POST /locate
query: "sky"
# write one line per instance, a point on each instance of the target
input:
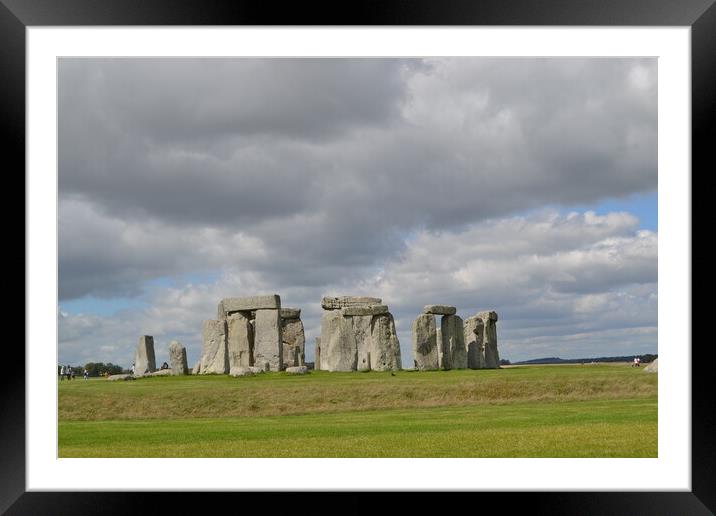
(527, 186)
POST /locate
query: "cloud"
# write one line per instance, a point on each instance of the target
(573, 285)
(314, 170)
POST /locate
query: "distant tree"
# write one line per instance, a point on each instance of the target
(100, 368)
(504, 362)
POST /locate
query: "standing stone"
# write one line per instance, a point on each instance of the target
(425, 343)
(197, 367)
(442, 354)
(268, 345)
(214, 357)
(294, 340)
(144, 361)
(240, 340)
(317, 358)
(385, 355)
(492, 356)
(177, 358)
(338, 343)
(364, 343)
(454, 342)
(474, 337)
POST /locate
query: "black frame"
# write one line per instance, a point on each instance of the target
(700, 15)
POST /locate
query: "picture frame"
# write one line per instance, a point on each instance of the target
(16, 16)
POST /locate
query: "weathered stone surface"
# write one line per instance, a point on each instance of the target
(177, 358)
(160, 372)
(297, 370)
(336, 303)
(338, 343)
(248, 304)
(239, 340)
(385, 353)
(214, 357)
(492, 356)
(439, 310)
(474, 342)
(317, 353)
(197, 367)
(290, 313)
(653, 367)
(294, 341)
(488, 314)
(364, 310)
(364, 343)
(425, 343)
(268, 344)
(453, 337)
(120, 377)
(144, 361)
(442, 355)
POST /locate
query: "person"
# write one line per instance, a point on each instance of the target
(635, 364)
(132, 367)
(68, 372)
(165, 366)
(85, 374)
(62, 372)
(638, 361)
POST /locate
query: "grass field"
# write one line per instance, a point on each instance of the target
(606, 410)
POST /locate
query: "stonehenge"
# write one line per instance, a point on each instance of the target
(256, 334)
(454, 344)
(357, 334)
(252, 332)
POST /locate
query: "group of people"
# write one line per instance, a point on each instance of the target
(637, 362)
(69, 373)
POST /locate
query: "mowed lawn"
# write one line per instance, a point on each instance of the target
(605, 410)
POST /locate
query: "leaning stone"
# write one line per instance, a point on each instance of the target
(439, 310)
(336, 303)
(177, 358)
(197, 368)
(268, 344)
(338, 343)
(294, 341)
(425, 343)
(364, 343)
(474, 342)
(120, 377)
(451, 328)
(144, 361)
(248, 304)
(365, 310)
(297, 370)
(290, 313)
(214, 358)
(385, 353)
(239, 340)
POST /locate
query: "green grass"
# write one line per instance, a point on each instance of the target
(531, 411)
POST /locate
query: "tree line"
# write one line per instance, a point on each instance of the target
(95, 369)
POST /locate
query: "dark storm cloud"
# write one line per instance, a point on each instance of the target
(311, 171)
